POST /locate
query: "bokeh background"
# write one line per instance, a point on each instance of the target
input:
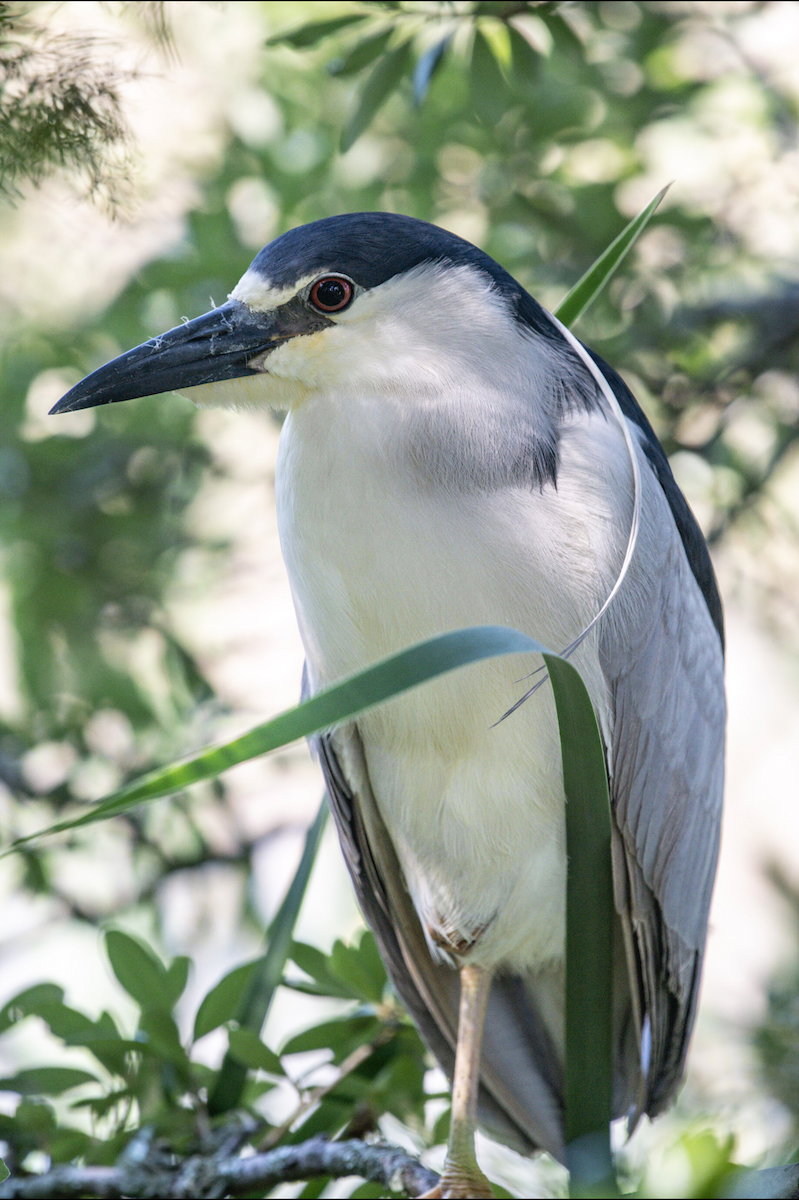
(144, 610)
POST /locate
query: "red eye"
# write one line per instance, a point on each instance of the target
(331, 293)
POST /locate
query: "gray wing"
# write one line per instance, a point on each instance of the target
(661, 653)
(662, 657)
(520, 1099)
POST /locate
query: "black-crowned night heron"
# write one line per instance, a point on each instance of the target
(453, 457)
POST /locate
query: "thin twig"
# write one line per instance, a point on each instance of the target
(200, 1177)
(349, 1064)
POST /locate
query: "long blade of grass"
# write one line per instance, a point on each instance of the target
(330, 707)
(589, 936)
(257, 1001)
(588, 287)
(589, 898)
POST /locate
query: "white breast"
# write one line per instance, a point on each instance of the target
(379, 559)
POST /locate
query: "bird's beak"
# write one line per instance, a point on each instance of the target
(221, 344)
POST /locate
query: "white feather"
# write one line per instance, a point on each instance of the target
(378, 559)
(395, 525)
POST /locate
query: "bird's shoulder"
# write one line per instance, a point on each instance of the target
(693, 541)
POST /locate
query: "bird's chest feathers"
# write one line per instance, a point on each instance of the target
(379, 557)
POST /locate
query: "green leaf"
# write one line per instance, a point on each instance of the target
(254, 1089)
(29, 1003)
(176, 977)
(261, 988)
(4, 1171)
(314, 989)
(314, 31)
(35, 1119)
(247, 1048)
(340, 1036)
(328, 1119)
(224, 1000)
(371, 1191)
(353, 1087)
(46, 1081)
(347, 963)
(389, 677)
(163, 1040)
(588, 287)
(113, 1053)
(372, 963)
(100, 1037)
(362, 54)
(68, 1144)
(384, 80)
(441, 1127)
(525, 61)
(426, 67)
(314, 1188)
(486, 81)
(141, 974)
(314, 963)
(67, 1023)
(590, 916)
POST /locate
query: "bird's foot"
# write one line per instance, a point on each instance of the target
(457, 1184)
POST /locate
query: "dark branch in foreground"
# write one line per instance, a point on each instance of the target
(209, 1176)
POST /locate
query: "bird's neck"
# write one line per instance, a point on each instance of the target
(388, 539)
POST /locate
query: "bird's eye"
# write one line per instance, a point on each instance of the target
(331, 293)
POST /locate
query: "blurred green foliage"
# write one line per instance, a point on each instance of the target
(147, 1078)
(776, 1037)
(517, 124)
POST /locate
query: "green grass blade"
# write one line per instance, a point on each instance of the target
(336, 704)
(257, 1001)
(590, 912)
(589, 936)
(586, 290)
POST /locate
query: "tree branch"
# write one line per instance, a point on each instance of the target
(201, 1176)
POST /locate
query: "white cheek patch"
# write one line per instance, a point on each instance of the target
(250, 393)
(259, 295)
(307, 359)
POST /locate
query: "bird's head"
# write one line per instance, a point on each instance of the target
(371, 300)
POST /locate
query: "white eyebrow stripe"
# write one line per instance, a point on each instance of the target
(259, 295)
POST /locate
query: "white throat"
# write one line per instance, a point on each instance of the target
(380, 557)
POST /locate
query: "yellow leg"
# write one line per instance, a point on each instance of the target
(462, 1178)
